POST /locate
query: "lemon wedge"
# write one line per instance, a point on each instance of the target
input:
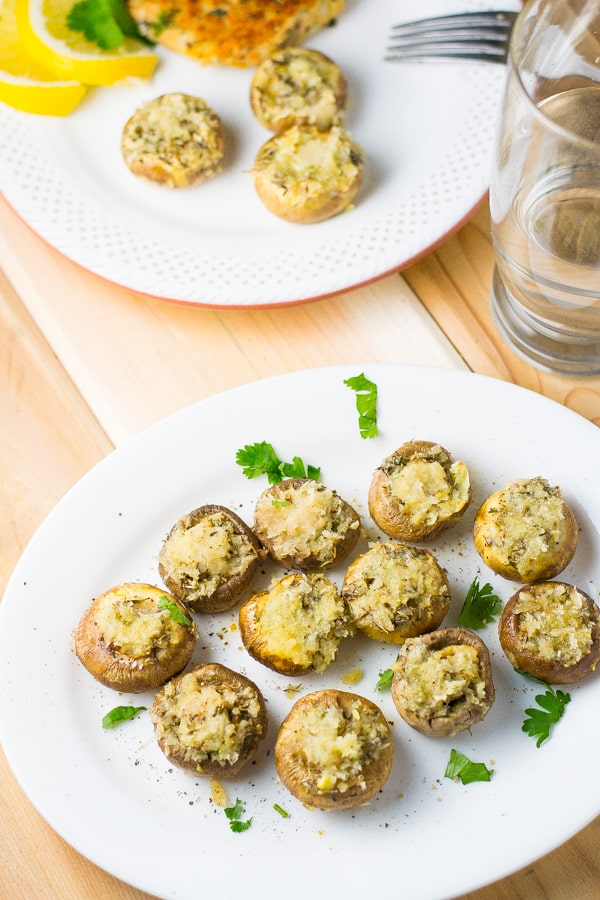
(68, 54)
(24, 84)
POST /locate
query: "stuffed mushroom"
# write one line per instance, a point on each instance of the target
(209, 557)
(296, 626)
(442, 682)
(395, 591)
(526, 531)
(334, 750)
(418, 491)
(134, 637)
(210, 721)
(551, 630)
(305, 525)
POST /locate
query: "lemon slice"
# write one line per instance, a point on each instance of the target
(66, 53)
(26, 85)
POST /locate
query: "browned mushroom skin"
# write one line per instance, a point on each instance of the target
(395, 591)
(526, 531)
(463, 698)
(210, 721)
(404, 499)
(305, 525)
(295, 626)
(551, 630)
(129, 640)
(213, 579)
(319, 765)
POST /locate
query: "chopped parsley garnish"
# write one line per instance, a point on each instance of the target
(385, 680)
(174, 611)
(461, 768)
(261, 459)
(234, 814)
(282, 812)
(105, 23)
(120, 714)
(366, 404)
(539, 722)
(481, 606)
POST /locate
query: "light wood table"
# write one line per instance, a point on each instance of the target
(86, 365)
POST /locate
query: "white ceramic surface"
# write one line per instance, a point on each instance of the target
(426, 129)
(112, 794)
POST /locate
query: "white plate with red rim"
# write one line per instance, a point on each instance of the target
(426, 129)
(113, 796)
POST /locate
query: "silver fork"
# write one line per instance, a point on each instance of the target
(482, 36)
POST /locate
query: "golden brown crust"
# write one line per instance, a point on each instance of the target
(551, 630)
(334, 750)
(437, 687)
(237, 33)
(418, 491)
(221, 558)
(296, 626)
(298, 86)
(210, 721)
(134, 637)
(526, 531)
(305, 175)
(395, 592)
(305, 525)
(174, 140)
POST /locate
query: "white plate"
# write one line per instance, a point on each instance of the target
(426, 130)
(113, 796)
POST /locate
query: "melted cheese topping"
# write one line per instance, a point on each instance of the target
(338, 745)
(176, 132)
(203, 556)
(554, 623)
(432, 680)
(427, 491)
(391, 584)
(303, 619)
(525, 521)
(130, 621)
(298, 86)
(303, 164)
(209, 721)
(306, 521)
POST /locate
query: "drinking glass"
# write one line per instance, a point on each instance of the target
(545, 189)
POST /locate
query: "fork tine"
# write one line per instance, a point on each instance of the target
(469, 36)
(502, 19)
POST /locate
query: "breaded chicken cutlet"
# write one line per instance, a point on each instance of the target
(239, 33)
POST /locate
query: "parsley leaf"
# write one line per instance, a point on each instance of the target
(366, 404)
(481, 606)
(174, 611)
(385, 680)
(282, 812)
(538, 722)
(261, 459)
(120, 714)
(234, 814)
(461, 768)
(105, 23)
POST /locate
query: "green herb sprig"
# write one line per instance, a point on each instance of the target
(461, 768)
(540, 720)
(481, 606)
(106, 23)
(261, 459)
(234, 814)
(384, 682)
(120, 714)
(366, 404)
(174, 611)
